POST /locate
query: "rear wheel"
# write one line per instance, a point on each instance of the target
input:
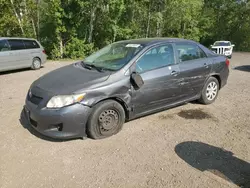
(106, 120)
(210, 91)
(36, 64)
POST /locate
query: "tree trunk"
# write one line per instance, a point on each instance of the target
(158, 28)
(61, 47)
(133, 11)
(115, 31)
(183, 29)
(34, 27)
(148, 21)
(91, 23)
(38, 19)
(17, 17)
(159, 24)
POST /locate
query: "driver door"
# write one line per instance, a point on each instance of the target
(161, 77)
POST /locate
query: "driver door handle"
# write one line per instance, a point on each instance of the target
(174, 73)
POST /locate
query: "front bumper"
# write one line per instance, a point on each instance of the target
(64, 123)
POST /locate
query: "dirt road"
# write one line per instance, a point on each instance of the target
(175, 148)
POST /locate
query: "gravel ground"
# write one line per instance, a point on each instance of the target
(180, 147)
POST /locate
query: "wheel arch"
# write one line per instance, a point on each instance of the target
(218, 78)
(121, 102)
(37, 58)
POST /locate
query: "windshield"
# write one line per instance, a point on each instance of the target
(222, 44)
(113, 56)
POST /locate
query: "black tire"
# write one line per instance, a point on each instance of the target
(207, 95)
(107, 119)
(36, 64)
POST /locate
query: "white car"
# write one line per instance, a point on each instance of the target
(223, 48)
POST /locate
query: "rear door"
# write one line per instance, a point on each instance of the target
(19, 53)
(195, 67)
(5, 55)
(160, 74)
(32, 50)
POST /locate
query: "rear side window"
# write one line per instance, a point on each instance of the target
(31, 44)
(4, 46)
(16, 44)
(187, 52)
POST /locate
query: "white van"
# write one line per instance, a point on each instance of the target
(17, 53)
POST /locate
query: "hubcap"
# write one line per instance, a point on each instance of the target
(212, 90)
(108, 120)
(36, 64)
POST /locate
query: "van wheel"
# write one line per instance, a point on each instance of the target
(36, 64)
(210, 91)
(106, 119)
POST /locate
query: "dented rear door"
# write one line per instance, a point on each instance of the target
(195, 67)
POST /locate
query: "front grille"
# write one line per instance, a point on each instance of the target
(218, 50)
(35, 99)
(214, 50)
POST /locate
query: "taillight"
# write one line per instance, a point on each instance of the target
(44, 51)
(227, 62)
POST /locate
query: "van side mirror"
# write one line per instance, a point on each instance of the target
(233, 45)
(136, 80)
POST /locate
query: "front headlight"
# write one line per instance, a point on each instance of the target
(64, 100)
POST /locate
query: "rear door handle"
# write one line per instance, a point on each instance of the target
(174, 73)
(206, 65)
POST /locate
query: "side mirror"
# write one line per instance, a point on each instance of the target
(233, 45)
(136, 80)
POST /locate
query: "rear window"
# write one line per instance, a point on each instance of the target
(16, 44)
(30, 44)
(4, 46)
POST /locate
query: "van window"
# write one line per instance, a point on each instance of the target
(30, 44)
(16, 44)
(4, 46)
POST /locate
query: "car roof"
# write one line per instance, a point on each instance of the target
(20, 38)
(150, 41)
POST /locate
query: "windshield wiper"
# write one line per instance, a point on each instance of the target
(90, 66)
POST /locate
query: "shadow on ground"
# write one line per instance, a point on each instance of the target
(27, 126)
(17, 71)
(218, 161)
(245, 68)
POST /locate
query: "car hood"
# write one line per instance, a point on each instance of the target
(69, 79)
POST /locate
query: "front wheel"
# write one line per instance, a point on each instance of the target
(210, 91)
(106, 119)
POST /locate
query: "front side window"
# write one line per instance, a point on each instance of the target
(16, 44)
(156, 57)
(113, 56)
(187, 52)
(4, 46)
(30, 44)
